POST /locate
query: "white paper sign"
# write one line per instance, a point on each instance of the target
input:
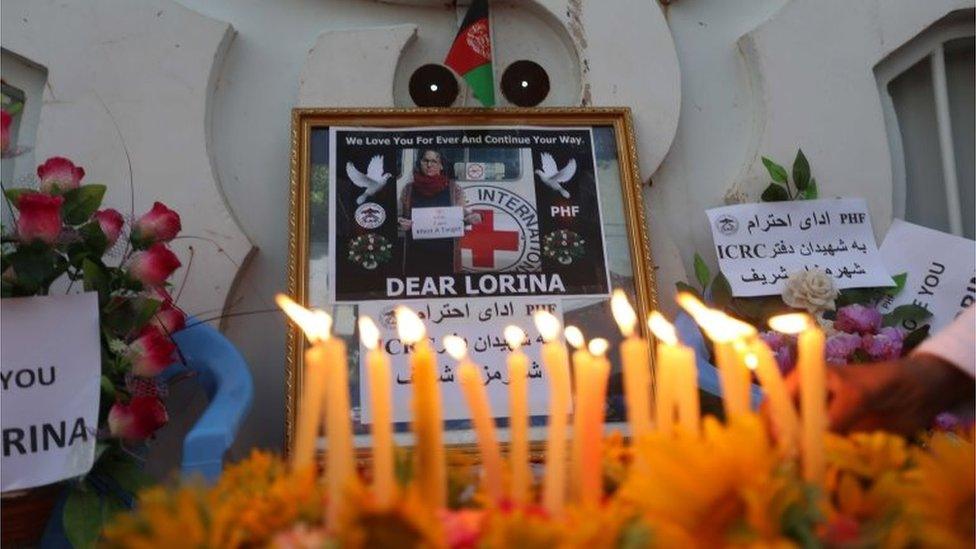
(760, 245)
(446, 222)
(941, 271)
(480, 322)
(50, 367)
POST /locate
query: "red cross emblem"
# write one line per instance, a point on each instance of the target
(483, 240)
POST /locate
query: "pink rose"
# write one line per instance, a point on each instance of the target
(40, 217)
(884, 345)
(5, 121)
(153, 266)
(841, 346)
(858, 319)
(462, 528)
(169, 318)
(160, 224)
(111, 223)
(59, 174)
(137, 419)
(151, 352)
(783, 347)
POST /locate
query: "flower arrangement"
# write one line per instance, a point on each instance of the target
(370, 250)
(564, 246)
(733, 486)
(60, 234)
(857, 329)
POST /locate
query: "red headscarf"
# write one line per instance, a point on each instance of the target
(429, 185)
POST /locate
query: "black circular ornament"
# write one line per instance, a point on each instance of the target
(525, 83)
(433, 85)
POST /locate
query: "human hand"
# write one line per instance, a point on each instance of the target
(472, 218)
(901, 396)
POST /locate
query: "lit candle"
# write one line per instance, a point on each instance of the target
(581, 369)
(430, 464)
(329, 356)
(727, 335)
(813, 390)
(635, 358)
(784, 416)
(378, 370)
(313, 384)
(340, 461)
(676, 365)
(556, 361)
(594, 381)
(518, 420)
(473, 388)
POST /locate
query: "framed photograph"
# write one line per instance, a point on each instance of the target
(475, 219)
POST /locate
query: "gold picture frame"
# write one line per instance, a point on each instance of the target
(608, 119)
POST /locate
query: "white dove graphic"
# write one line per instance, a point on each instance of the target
(554, 178)
(373, 180)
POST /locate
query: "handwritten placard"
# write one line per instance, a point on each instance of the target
(940, 269)
(760, 245)
(446, 222)
(481, 323)
(50, 368)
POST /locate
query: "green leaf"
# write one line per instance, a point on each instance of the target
(801, 171)
(685, 287)
(14, 108)
(108, 388)
(127, 473)
(13, 195)
(145, 309)
(82, 517)
(777, 172)
(96, 279)
(905, 313)
(36, 266)
(721, 291)
(915, 337)
(775, 193)
(900, 280)
(702, 272)
(811, 192)
(81, 203)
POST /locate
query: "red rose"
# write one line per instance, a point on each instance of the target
(137, 419)
(151, 352)
(169, 318)
(160, 224)
(153, 266)
(59, 174)
(40, 217)
(5, 121)
(110, 221)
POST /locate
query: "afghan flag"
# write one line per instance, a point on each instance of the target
(470, 55)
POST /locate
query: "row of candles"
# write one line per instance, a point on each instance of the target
(670, 404)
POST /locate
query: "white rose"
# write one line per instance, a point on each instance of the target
(810, 290)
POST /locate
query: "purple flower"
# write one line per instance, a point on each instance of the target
(783, 347)
(885, 345)
(841, 346)
(858, 319)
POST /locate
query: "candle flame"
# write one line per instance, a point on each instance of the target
(662, 329)
(752, 361)
(598, 346)
(514, 336)
(792, 323)
(547, 324)
(315, 323)
(369, 334)
(692, 305)
(455, 346)
(409, 325)
(623, 313)
(575, 337)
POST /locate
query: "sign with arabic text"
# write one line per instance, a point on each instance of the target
(481, 323)
(940, 269)
(760, 245)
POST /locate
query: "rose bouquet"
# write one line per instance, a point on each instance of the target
(370, 250)
(564, 246)
(59, 238)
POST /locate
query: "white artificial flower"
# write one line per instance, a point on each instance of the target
(811, 290)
